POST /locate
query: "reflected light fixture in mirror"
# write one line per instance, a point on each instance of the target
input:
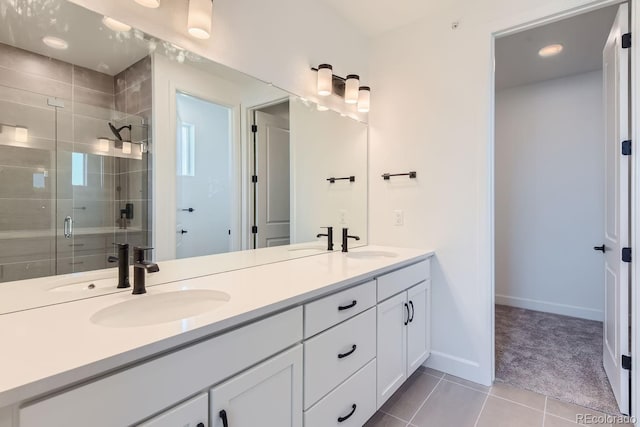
(151, 4)
(351, 89)
(115, 25)
(22, 134)
(199, 19)
(55, 42)
(103, 144)
(322, 107)
(126, 147)
(325, 79)
(364, 99)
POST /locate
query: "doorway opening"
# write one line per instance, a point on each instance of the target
(561, 191)
(270, 176)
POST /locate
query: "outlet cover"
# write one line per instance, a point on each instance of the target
(398, 217)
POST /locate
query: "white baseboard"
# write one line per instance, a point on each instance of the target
(551, 307)
(457, 366)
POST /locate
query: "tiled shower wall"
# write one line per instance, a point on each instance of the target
(36, 190)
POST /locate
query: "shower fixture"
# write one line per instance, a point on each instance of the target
(116, 131)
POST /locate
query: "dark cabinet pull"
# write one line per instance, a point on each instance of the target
(200, 425)
(599, 248)
(223, 415)
(413, 311)
(183, 231)
(346, 417)
(188, 210)
(347, 307)
(348, 353)
(406, 306)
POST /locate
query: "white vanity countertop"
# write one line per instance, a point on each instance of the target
(53, 347)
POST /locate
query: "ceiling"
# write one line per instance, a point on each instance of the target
(583, 38)
(373, 17)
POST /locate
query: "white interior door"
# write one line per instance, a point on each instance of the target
(272, 216)
(616, 105)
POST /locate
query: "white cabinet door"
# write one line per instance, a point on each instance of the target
(392, 345)
(418, 329)
(192, 413)
(268, 395)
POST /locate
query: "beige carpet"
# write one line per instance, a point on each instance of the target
(555, 355)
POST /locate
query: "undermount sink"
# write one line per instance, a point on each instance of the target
(145, 310)
(86, 286)
(371, 254)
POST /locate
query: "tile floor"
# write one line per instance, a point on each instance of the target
(432, 399)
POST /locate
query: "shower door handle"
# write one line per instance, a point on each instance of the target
(68, 227)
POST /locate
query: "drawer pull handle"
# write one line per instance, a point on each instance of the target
(200, 425)
(406, 306)
(413, 311)
(348, 353)
(223, 415)
(346, 417)
(347, 307)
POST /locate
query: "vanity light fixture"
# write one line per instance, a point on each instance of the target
(117, 26)
(320, 107)
(364, 99)
(325, 79)
(550, 50)
(351, 89)
(199, 18)
(103, 144)
(151, 4)
(126, 147)
(22, 134)
(55, 42)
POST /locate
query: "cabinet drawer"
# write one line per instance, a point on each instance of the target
(400, 280)
(358, 392)
(326, 312)
(192, 413)
(334, 355)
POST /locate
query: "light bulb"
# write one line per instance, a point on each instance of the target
(364, 99)
(22, 134)
(103, 144)
(351, 89)
(199, 19)
(325, 79)
(126, 147)
(114, 25)
(151, 4)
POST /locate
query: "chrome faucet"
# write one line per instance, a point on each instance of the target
(140, 267)
(329, 237)
(345, 238)
(123, 264)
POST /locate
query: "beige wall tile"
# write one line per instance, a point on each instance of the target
(90, 79)
(93, 97)
(25, 214)
(33, 63)
(20, 80)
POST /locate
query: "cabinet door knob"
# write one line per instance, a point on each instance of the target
(346, 417)
(225, 421)
(413, 311)
(347, 307)
(200, 425)
(406, 306)
(348, 353)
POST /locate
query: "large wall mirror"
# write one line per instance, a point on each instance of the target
(108, 135)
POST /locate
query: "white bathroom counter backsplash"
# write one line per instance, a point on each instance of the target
(43, 291)
(56, 346)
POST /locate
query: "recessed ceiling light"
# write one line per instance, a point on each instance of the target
(55, 42)
(152, 4)
(114, 25)
(550, 50)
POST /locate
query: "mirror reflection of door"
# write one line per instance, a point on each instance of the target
(272, 171)
(204, 170)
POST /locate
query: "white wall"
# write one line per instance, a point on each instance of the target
(324, 144)
(276, 40)
(431, 112)
(549, 206)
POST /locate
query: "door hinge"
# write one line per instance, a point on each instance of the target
(626, 40)
(254, 229)
(254, 128)
(254, 178)
(626, 147)
(626, 362)
(626, 254)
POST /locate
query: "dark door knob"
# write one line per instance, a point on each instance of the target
(599, 248)
(183, 231)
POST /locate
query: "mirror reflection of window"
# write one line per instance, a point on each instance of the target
(79, 169)
(187, 149)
